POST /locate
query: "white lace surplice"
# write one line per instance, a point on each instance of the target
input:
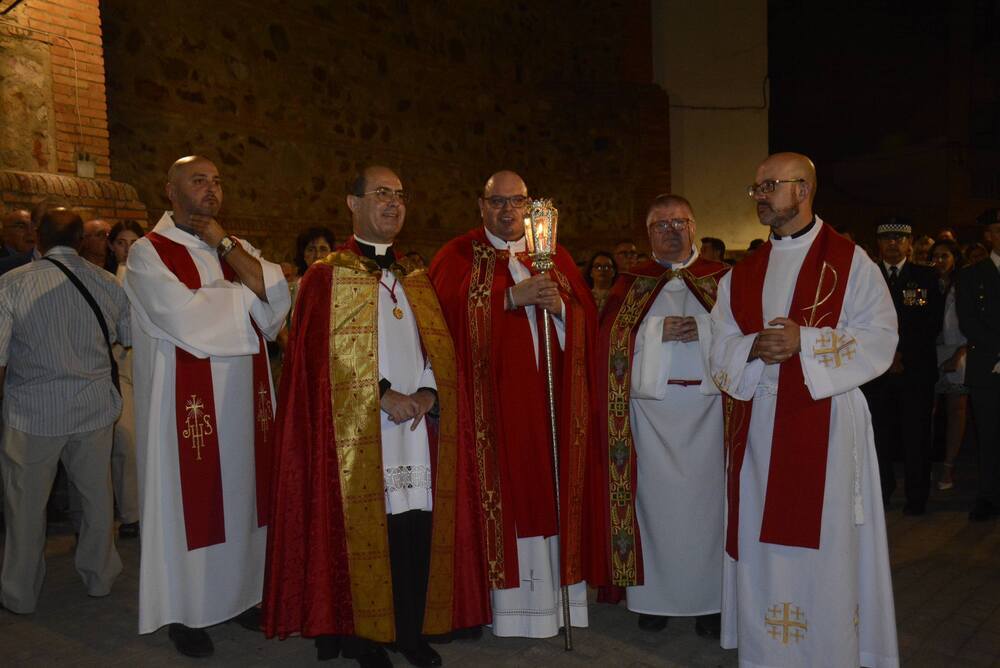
(406, 458)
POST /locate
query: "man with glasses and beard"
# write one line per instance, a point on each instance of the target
(493, 301)
(799, 325)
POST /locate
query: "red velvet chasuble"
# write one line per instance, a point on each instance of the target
(309, 585)
(509, 401)
(615, 557)
(197, 429)
(793, 502)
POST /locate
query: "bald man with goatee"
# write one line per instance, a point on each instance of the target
(203, 303)
(493, 299)
(799, 325)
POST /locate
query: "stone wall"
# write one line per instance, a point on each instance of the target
(52, 88)
(290, 99)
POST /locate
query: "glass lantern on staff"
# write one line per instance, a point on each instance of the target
(540, 227)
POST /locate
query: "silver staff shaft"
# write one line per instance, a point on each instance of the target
(546, 322)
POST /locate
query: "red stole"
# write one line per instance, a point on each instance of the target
(197, 428)
(793, 502)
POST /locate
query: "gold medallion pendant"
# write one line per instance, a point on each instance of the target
(398, 312)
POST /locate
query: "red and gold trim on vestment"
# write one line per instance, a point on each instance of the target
(702, 279)
(487, 459)
(354, 377)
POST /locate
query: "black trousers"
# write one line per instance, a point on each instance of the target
(409, 561)
(986, 416)
(901, 407)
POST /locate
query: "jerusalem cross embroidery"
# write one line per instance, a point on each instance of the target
(197, 425)
(785, 622)
(832, 350)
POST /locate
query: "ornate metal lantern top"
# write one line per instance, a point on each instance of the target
(540, 233)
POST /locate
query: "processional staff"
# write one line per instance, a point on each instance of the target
(541, 226)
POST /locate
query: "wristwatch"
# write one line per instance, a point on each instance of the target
(225, 246)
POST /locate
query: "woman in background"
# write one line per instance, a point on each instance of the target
(600, 275)
(947, 258)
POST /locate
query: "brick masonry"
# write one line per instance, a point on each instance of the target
(52, 83)
(92, 198)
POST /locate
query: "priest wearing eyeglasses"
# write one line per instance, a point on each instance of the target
(798, 326)
(373, 538)
(659, 484)
(493, 300)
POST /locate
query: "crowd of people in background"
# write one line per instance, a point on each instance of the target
(941, 385)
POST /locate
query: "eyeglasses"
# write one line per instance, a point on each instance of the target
(386, 195)
(767, 187)
(603, 267)
(515, 201)
(676, 224)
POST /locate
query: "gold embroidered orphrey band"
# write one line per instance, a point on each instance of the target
(354, 376)
(354, 380)
(620, 475)
(480, 330)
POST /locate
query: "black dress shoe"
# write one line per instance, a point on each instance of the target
(249, 619)
(130, 530)
(327, 647)
(912, 508)
(377, 658)
(708, 625)
(652, 622)
(191, 642)
(422, 656)
(982, 510)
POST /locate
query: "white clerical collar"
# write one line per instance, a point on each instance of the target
(380, 249)
(898, 265)
(995, 258)
(516, 246)
(804, 237)
(677, 266)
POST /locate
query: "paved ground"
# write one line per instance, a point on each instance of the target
(945, 575)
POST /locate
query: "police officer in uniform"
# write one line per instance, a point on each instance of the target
(902, 399)
(978, 301)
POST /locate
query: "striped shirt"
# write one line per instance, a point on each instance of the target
(58, 378)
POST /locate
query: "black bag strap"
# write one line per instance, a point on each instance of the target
(97, 312)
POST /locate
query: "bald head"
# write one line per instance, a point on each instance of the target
(791, 166)
(505, 180)
(194, 187)
(791, 180)
(18, 234)
(503, 205)
(59, 227)
(185, 164)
